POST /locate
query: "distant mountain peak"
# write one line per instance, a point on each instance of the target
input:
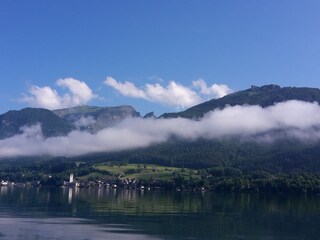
(98, 117)
(52, 125)
(62, 121)
(149, 115)
(265, 87)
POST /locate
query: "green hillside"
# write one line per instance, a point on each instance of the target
(285, 156)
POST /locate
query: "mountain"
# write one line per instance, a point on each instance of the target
(52, 125)
(284, 155)
(263, 96)
(61, 122)
(285, 164)
(95, 118)
(149, 115)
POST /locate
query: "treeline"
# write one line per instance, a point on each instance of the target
(54, 172)
(232, 179)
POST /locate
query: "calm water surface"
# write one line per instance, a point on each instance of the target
(63, 213)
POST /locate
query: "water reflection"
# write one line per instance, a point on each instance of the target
(127, 214)
(70, 195)
(64, 228)
(3, 190)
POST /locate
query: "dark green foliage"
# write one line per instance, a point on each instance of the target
(52, 181)
(280, 157)
(131, 171)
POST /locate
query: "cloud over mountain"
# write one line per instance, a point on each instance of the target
(174, 94)
(215, 90)
(72, 92)
(77, 93)
(293, 119)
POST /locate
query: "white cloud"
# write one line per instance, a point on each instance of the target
(174, 94)
(46, 97)
(252, 122)
(214, 91)
(126, 88)
(80, 92)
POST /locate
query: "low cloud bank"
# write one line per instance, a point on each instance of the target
(296, 119)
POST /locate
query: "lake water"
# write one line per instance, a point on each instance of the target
(63, 213)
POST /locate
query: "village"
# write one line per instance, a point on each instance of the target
(111, 183)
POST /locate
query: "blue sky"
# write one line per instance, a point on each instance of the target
(157, 56)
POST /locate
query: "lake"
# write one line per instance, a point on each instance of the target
(66, 213)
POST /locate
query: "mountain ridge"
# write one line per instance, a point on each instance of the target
(13, 121)
(97, 118)
(234, 162)
(93, 119)
(62, 121)
(263, 96)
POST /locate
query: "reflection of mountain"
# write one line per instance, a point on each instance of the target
(172, 215)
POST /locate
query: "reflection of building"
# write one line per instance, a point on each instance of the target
(70, 195)
(4, 183)
(71, 178)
